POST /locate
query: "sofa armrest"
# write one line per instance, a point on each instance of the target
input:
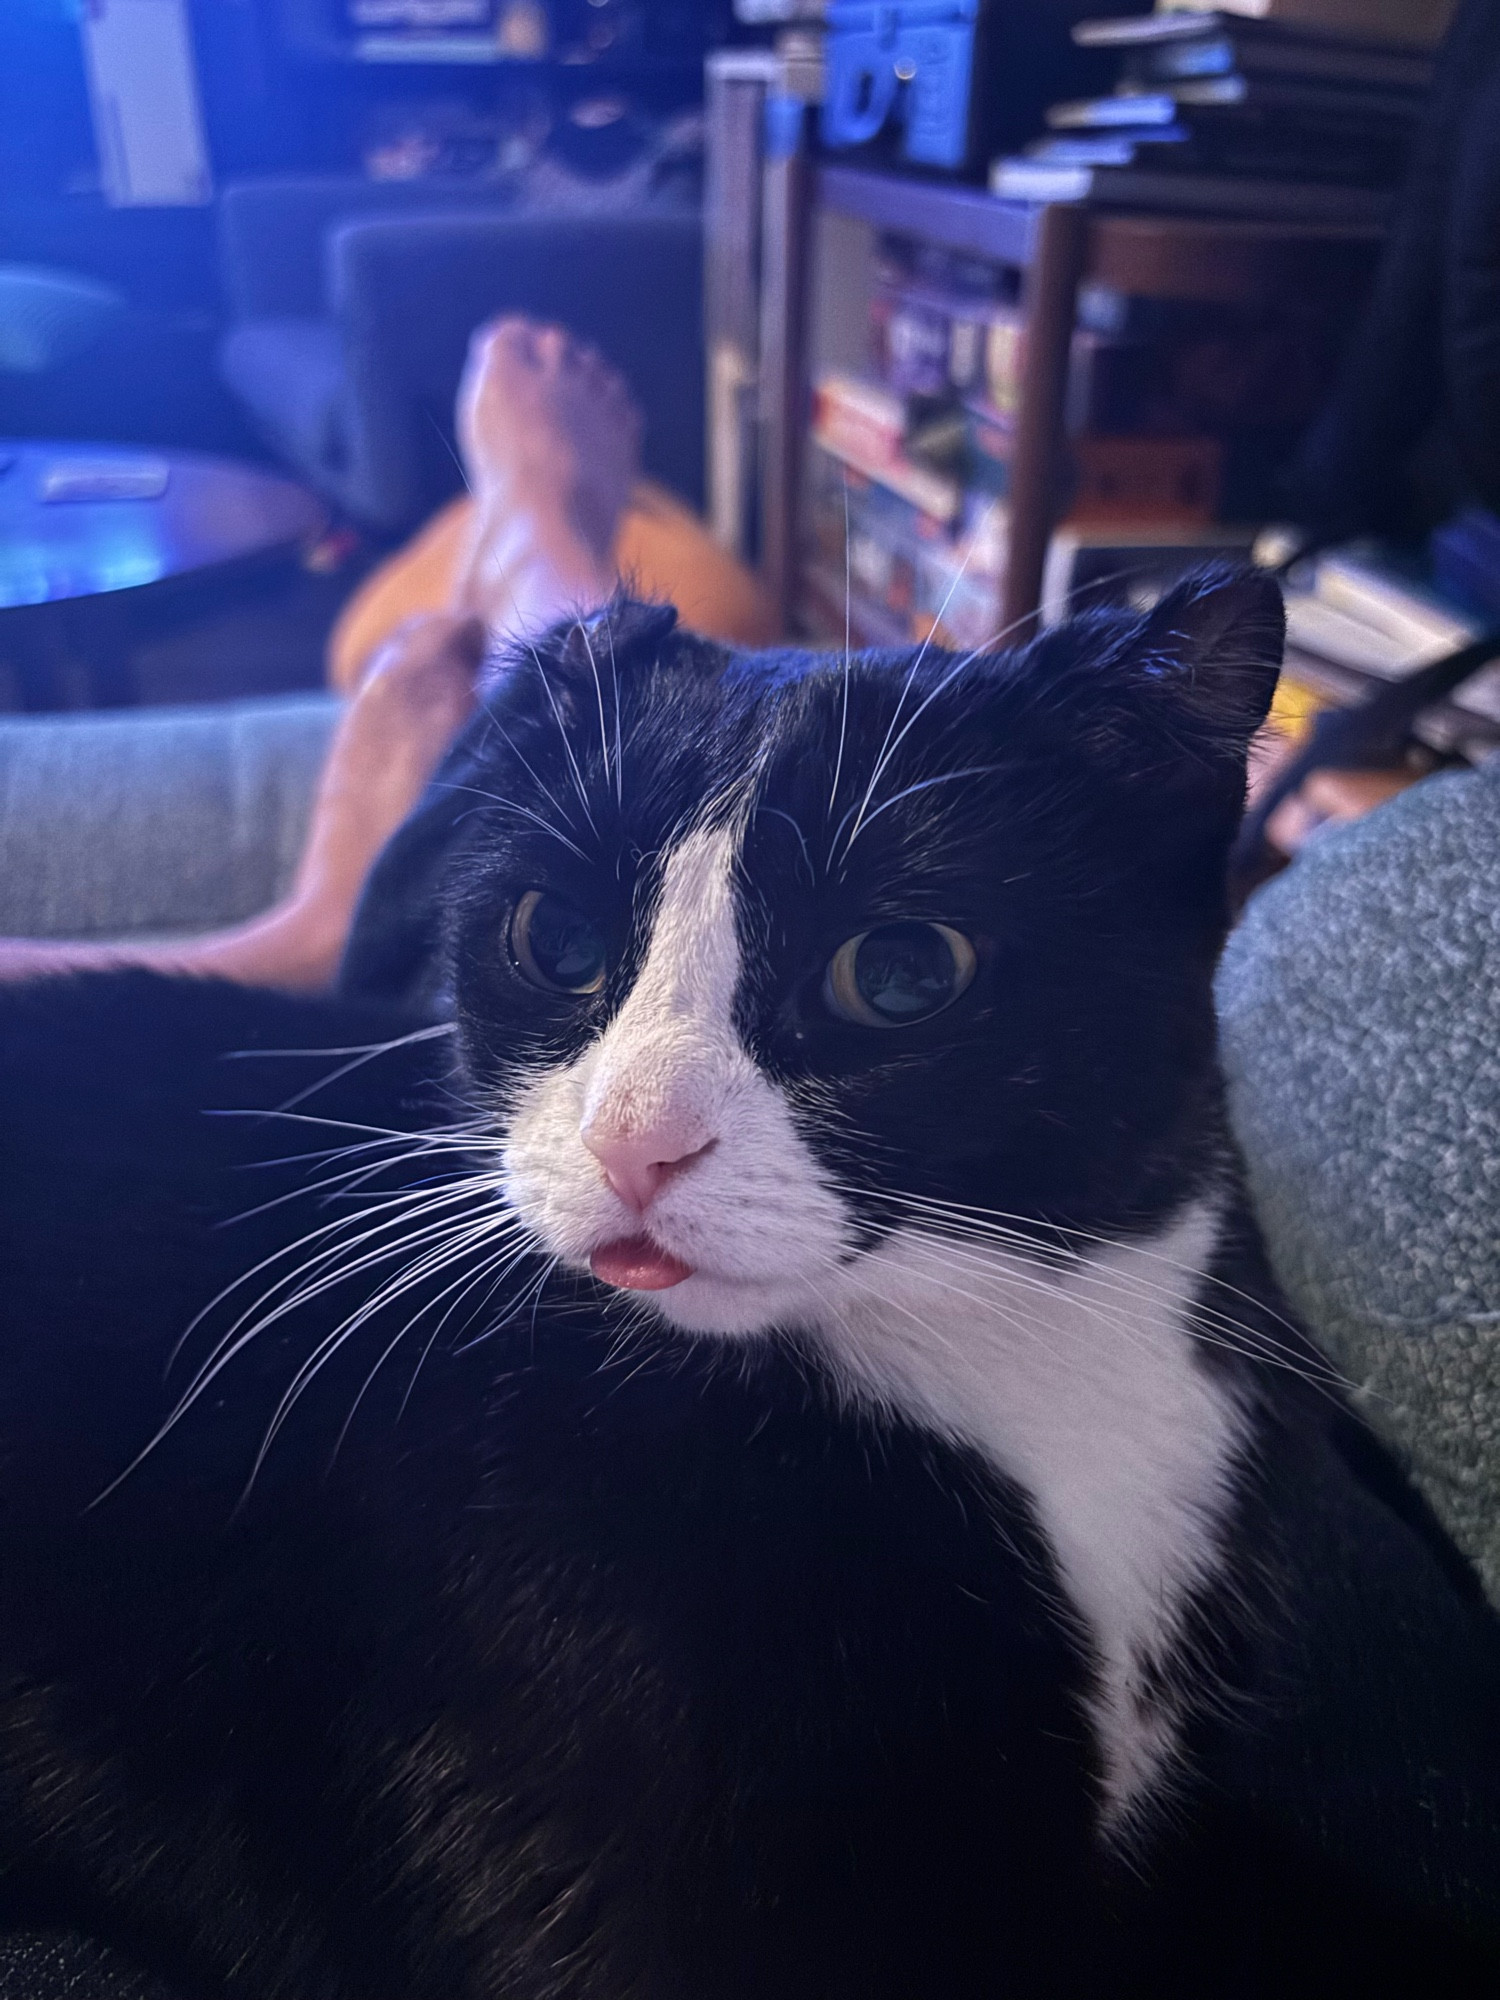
(272, 231)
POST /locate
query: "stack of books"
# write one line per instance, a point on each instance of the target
(1363, 615)
(1231, 114)
(899, 548)
(908, 466)
(909, 463)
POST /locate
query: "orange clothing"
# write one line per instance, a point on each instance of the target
(664, 551)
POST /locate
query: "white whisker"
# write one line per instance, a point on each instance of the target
(614, 675)
(583, 632)
(838, 762)
(893, 741)
(579, 786)
(495, 1267)
(436, 1260)
(317, 1275)
(525, 812)
(1209, 1323)
(926, 785)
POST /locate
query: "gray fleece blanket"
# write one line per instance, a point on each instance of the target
(1360, 1017)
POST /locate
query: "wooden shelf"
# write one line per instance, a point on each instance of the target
(446, 50)
(1187, 257)
(1052, 248)
(960, 218)
(1221, 261)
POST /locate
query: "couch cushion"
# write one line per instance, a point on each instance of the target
(1357, 1004)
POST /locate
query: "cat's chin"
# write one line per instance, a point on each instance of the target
(730, 1308)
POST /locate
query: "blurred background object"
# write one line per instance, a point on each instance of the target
(353, 378)
(48, 318)
(143, 89)
(948, 83)
(264, 229)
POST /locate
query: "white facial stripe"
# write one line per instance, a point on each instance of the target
(671, 1053)
(752, 1214)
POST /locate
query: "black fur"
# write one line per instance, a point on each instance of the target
(585, 1664)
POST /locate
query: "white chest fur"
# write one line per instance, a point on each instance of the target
(1083, 1387)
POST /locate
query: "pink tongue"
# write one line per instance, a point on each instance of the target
(636, 1264)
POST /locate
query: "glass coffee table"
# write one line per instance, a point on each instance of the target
(91, 536)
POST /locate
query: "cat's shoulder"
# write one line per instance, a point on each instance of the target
(104, 1073)
(144, 1117)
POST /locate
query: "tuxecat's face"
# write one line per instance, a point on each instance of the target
(764, 969)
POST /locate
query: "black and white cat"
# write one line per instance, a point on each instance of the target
(793, 1479)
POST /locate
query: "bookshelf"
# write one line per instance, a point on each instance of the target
(803, 236)
(960, 218)
(1046, 245)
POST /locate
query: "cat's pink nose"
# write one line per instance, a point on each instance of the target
(638, 1165)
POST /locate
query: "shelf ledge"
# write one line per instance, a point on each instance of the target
(962, 218)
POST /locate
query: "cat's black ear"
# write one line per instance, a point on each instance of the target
(624, 633)
(1204, 660)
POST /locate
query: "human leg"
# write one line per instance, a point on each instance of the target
(552, 443)
(165, 809)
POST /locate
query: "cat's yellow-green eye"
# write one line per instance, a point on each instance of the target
(898, 974)
(555, 945)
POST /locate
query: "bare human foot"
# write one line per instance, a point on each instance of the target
(551, 442)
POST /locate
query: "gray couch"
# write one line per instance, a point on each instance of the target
(351, 304)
